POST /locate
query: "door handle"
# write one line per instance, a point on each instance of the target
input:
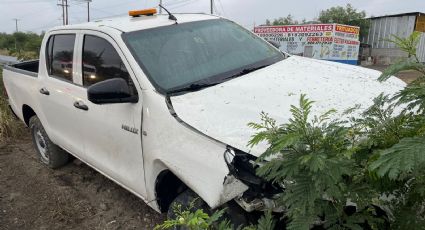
(44, 91)
(81, 105)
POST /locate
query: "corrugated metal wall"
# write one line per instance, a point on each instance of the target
(421, 48)
(382, 28)
(402, 26)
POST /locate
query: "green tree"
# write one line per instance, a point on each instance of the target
(288, 20)
(22, 45)
(268, 23)
(347, 15)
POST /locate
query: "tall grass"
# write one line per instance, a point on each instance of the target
(10, 127)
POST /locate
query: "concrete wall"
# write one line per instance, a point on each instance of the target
(387, 56)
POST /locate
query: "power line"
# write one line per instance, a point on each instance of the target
(222, 8)
(88, 7)
(63, 11)
(26, 1)
(52, 23)
(181, 4)
(96, 9)
(176, 3)
(65, 17)
(120, 4)
(215, 7)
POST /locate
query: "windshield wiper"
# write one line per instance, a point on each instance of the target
(193, 87)
(245, 71)
(199, 86)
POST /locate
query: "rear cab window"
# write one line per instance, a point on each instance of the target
(59, 56)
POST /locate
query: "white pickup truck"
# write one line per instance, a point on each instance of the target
(160, 104)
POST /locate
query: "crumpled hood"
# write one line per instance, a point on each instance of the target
(223, 111)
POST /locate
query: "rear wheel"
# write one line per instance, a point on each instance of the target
(49, 153)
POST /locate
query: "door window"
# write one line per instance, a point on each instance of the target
(101, 62)
(60, 53)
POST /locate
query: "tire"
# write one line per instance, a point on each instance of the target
(233, 212)
(49, 153)
(185, 199)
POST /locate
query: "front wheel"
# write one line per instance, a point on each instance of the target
(187, 200)
(49, 153)
(190, 201)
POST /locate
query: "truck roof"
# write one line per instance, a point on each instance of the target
(129, 23)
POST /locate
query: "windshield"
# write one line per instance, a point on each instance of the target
(192, 55)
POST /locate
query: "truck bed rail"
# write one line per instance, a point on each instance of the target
(29, 68)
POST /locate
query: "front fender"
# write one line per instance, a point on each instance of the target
(195, 159)
(213, 185)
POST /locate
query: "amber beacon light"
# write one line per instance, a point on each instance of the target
(145, 12)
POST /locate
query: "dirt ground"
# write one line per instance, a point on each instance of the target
(407, 76)
(73, 197)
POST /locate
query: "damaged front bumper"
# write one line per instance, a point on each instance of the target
(260, 195)
(259, 204)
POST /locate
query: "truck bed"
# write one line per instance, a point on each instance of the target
(29, 68)
(22, 85)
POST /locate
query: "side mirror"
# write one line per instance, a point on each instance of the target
(110, 91)
(275, 44)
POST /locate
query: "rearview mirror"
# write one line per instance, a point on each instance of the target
(110, 91)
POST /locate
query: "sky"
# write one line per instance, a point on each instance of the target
(39, 15)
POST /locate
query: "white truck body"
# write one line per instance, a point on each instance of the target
(186, 134)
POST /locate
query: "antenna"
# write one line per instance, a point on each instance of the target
(170, 15)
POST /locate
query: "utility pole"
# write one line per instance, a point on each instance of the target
(16, 23)
(63, 10)
(66, 12)
(212, 4)
(88, 10)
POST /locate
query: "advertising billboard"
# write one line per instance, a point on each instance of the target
(333, 42)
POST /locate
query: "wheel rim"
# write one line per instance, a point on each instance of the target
(41, 145)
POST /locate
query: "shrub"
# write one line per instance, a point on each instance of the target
(375, 163)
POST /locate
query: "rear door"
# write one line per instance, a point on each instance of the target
(111, 134)
(58, 91)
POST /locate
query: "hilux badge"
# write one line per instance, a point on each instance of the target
(130, 129)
